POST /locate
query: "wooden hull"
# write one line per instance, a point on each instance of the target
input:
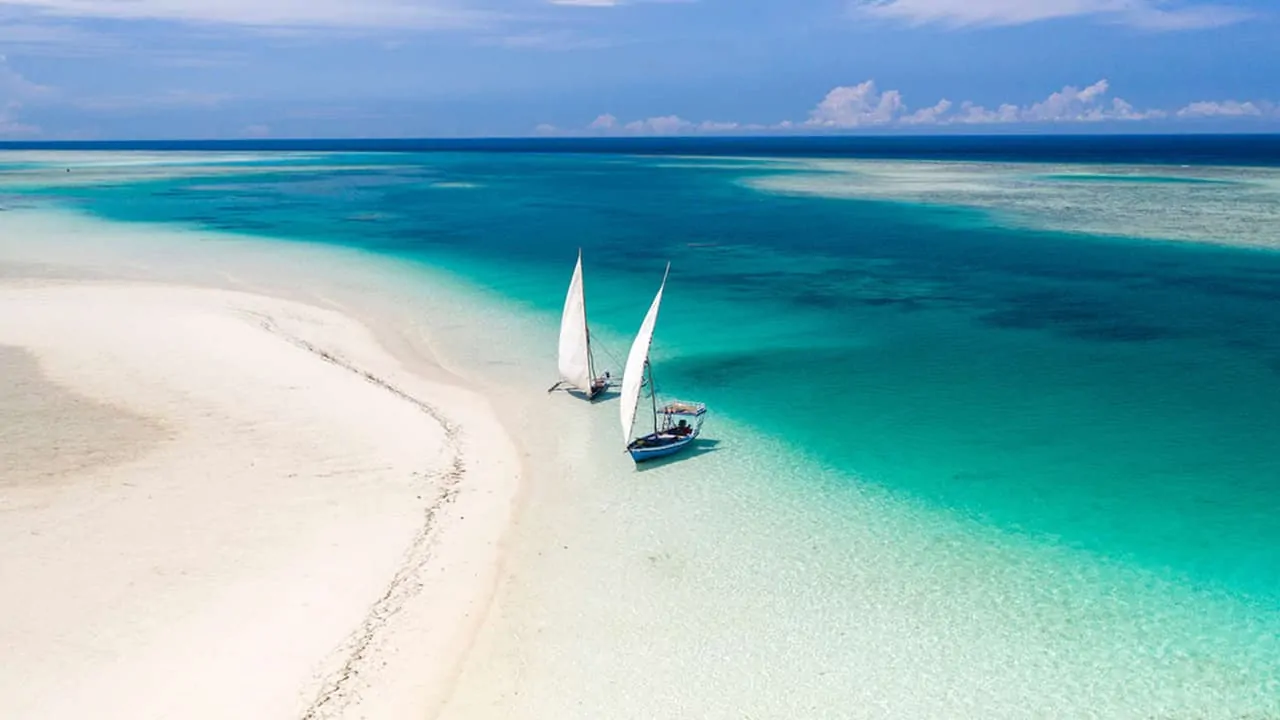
(658, 445)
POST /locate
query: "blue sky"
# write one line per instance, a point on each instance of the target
(383, 68)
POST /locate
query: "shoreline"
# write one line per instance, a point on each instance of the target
(626, 594)
(376, 625)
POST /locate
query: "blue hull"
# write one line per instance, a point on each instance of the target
(652, 447)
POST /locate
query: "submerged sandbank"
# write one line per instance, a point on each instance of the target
(747, 581)
(221, 505)
(1233, 206)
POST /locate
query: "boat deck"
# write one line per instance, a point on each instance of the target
(682, 407)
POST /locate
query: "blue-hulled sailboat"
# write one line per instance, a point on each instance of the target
(675, 424)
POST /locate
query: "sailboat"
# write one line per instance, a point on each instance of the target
(676, 423)
(576, 364)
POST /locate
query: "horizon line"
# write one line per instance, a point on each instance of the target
(16, 144)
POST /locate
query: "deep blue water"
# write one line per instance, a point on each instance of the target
(1250, 150)
(1114, 395)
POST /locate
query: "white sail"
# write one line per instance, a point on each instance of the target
(633, 375)
(575, 349)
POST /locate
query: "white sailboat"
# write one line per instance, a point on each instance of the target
(676, 424)
(576, 364)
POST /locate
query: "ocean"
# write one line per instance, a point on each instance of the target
(994, 422)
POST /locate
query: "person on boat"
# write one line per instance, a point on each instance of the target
(681, 429)
(600, 383)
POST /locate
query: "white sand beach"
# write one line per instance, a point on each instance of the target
(202, 515)
(223, 505)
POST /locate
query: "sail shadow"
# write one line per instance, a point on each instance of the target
(700, 446)
(603, 395)
(607, 394)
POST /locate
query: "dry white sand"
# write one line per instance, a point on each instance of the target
(716, 588)
(216, 504)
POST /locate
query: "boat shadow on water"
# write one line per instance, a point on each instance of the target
(577, 394)
(699, 446)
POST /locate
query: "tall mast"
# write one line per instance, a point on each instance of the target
(586, 328)
(653, 394)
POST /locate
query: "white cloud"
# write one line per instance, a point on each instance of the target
(1149, 14)
(973, 114)
(662, 125)
(852, 106)
(603, 122)
(864, 106)
(406, 14)
(929, 115)
(546, 129)
(1070, 104)
(1122, 110)
(1223, 109)
(711, 126)
(665, 125)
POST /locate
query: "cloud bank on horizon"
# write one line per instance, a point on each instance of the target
(863, 106)
(72, 69)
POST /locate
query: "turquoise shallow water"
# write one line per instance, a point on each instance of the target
(1105, 394)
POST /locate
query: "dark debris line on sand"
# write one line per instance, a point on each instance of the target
(338, 690)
